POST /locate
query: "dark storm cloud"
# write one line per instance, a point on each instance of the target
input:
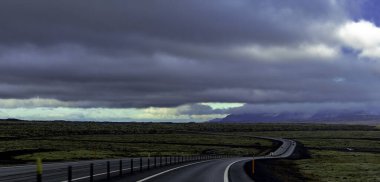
(115, 23)
(168, 53)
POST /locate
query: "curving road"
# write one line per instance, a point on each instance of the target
(226, 169)
(203, 171)
(285, 150)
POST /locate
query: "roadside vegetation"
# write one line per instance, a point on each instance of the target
(329, 156)
(328, 165)
(24, 141)
(326, 152)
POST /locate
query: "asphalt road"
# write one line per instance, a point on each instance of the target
(203, 171)
(226, 169)
(285, 150)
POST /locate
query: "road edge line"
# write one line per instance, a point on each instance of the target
(226, 171)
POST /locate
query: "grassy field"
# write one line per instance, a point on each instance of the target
(330, 152)
(22, 142)
(332, 155)
(327, 165)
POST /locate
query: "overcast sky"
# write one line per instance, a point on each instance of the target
(174, 60)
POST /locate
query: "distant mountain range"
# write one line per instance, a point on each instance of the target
(319, 117)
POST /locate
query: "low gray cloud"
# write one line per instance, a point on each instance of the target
(199, 109)
(164, 54)
(370, 107)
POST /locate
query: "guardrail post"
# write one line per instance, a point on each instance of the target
(91, 172)
(131, 165)
(69, 173)
(253, 166)
(120, 167)
(39, 169)
(108, 170)
(141, 166)
(170, 160)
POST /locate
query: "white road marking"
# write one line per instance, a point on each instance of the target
(163, 172)
(228, 168)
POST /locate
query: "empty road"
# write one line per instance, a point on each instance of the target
(225, 169)
(217, 170)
